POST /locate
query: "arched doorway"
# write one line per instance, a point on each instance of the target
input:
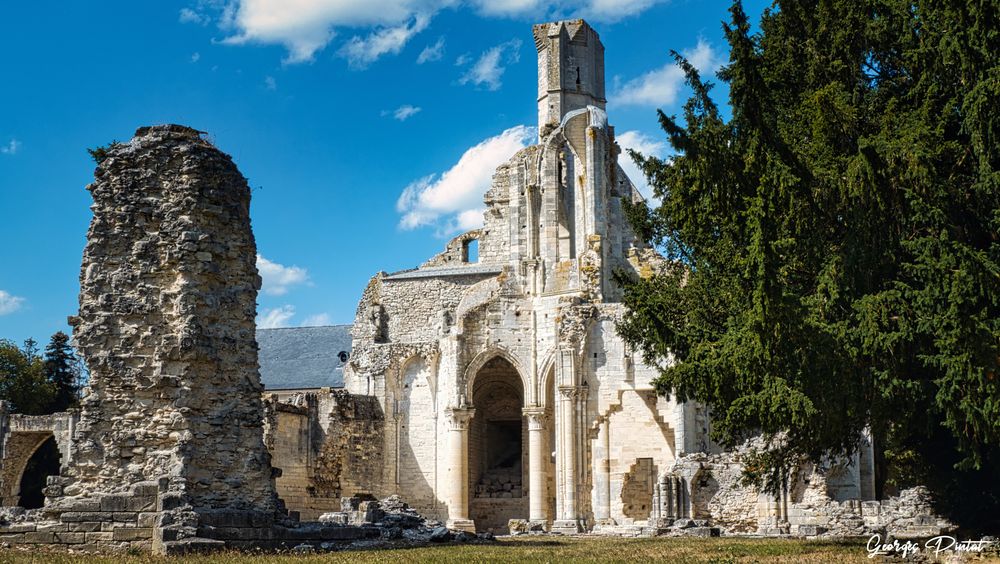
(29, 459)
(42, 464)
(498, 454)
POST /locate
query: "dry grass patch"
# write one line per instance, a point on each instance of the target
(524, 549)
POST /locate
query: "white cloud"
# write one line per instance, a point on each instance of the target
(463, 59)
(316, 320)
(453, 200)
(510, 7)
(404, 112)
(649, 147)
(432, 52)
(270, 83)
(594, 10)
(9, 303)
(276, 317)
(362, 52)
(491, 65)
(660, 87)
(195, 57)
(11, 148)
(278, 278)
(306, 26)
(190, 16)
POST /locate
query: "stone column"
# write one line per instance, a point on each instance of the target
(602, 477)
(567, 520)
(537, 476)
(458, 499)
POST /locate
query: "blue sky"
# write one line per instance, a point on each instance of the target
(368, 129)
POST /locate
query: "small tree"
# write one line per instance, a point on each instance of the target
(61, 372)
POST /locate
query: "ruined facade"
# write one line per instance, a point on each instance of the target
(505, 389)
(488, 388)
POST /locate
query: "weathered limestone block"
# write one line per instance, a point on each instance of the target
(166, 326)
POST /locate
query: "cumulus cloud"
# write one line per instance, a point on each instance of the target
(195, 57)
(660, 87)
(270, 83)
(316, 320)
(452, 201)
(463, 59)
(595, 10)
(489, 68)
(403, 112)
(304, 27)
(278, 278)
(648, 147)
(9, 303)
(11, 148)
(432, 53)
(361, 52)
(275, 317)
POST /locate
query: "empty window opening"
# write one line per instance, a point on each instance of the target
(470, 251)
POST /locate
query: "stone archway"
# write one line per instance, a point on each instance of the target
(21, 436)
(498, 447)
(19, 448)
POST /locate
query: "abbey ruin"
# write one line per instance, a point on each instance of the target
(487, 388)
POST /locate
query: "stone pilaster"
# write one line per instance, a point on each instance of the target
(568, 521)
(602, 476)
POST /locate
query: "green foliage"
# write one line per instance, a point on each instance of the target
(22, 379)
(62, 370)
(101, 153)
(836, 242)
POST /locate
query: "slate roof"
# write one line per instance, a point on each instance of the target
(432, 271)
(303, 357)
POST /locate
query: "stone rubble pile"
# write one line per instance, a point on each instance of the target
(500, 483)
(396, 521)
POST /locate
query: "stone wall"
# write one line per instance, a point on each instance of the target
(169, 442)
(327, 444)
(166, 327)
(809, 506)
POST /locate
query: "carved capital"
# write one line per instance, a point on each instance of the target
(537, 417)
(568, 392)
(459, 417)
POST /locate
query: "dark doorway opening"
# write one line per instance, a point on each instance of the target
(41, 465)
(503, 440)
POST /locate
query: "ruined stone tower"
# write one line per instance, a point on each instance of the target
(168, 293)
(570, 69)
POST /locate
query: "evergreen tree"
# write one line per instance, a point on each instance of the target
(834, 246)
(61, 370)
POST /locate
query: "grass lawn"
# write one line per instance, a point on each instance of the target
(530, 549)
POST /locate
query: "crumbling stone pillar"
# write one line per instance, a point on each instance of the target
(168, 292)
